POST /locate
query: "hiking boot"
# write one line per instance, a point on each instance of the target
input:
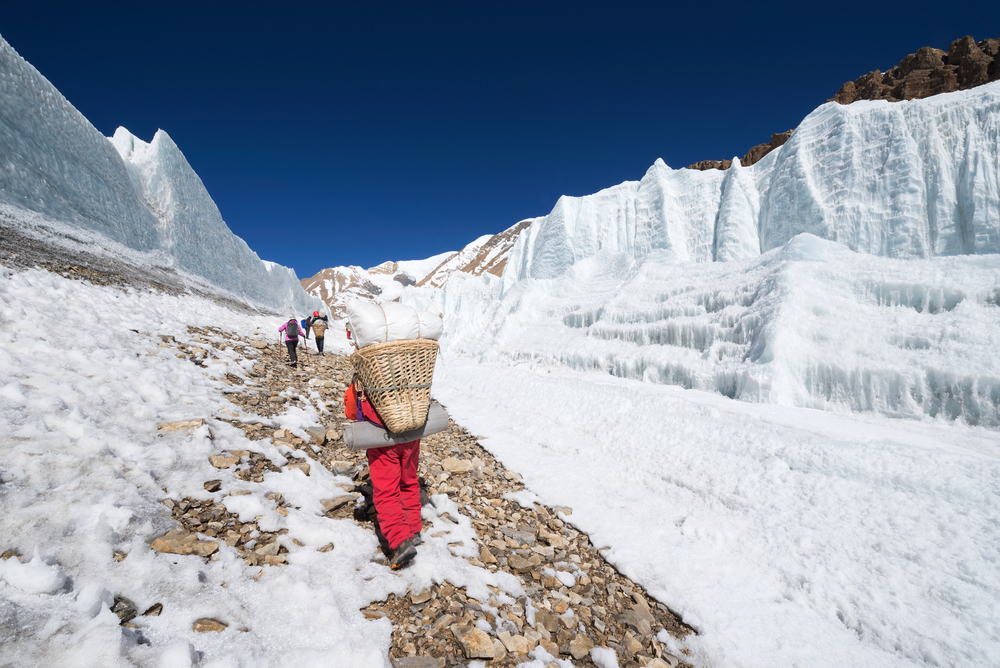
(403, 555)
(418, 538)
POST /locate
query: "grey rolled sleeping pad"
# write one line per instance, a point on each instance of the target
(364, 435)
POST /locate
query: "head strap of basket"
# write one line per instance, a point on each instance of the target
(397, 379)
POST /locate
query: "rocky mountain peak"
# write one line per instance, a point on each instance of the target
(486, 255)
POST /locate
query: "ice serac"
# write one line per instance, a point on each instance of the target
(54, 162)
(914, 179)
(856, 267)
(736, 235)
(667, 210)
(147, 197)
(908, 179)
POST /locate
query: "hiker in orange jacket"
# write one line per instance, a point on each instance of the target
(395, 487)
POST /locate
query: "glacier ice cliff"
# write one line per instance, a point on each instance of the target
(147, 197)
(857, 268)
(915, 179)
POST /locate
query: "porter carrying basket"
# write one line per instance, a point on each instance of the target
(397, 380)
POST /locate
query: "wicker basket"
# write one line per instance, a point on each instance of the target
(397, 380)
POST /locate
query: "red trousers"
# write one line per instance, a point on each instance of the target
(396, 490)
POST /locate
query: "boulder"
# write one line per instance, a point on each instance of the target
(336, 502)
(223, 461)
(549, 647)
(475, 643)
(546, 620)
(455, 465)
(153, 610)
(184, 542)
(420, 597)
(580, 646)
(515, 644)
(184, 425)
(206, 624)
(519, 563)
(269, 550)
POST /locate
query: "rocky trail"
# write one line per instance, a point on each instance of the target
(574, 600)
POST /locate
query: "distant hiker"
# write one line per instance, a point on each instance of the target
(348, 326)
(318, 323)
(291, 330)
(395, 487)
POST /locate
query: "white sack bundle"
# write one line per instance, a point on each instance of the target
(392, 321)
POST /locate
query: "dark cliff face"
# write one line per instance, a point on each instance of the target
(929, 72)
(966, 64)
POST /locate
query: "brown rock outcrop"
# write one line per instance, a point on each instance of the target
(966, 64)
(928, 72)
(760, 150)
(704, 165)
(751, 156)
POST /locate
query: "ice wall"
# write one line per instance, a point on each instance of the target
(913, 179)
(855, 268)
(145, 196)
(810, 324)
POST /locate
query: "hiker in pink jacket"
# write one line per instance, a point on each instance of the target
(291, 330)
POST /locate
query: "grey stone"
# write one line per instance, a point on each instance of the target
(522, 537)
(414, 662)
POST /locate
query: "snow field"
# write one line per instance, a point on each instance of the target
(83, 471)
(785, 536)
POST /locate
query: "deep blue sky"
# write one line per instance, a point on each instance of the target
(336, 134)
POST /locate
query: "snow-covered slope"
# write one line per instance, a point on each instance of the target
(147, 197)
